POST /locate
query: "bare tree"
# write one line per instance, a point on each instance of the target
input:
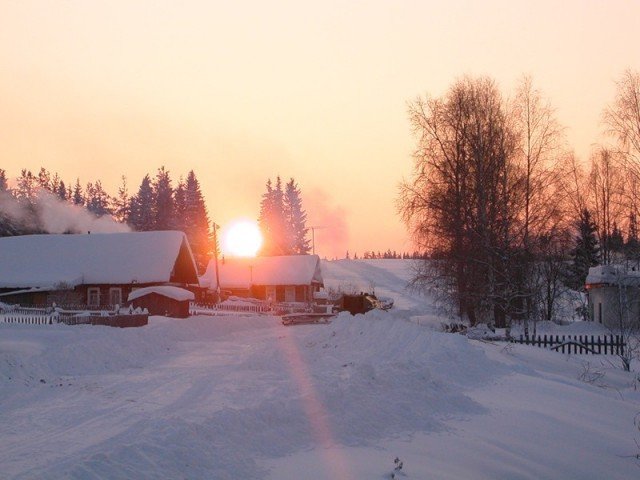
(459, 203)
(607, 188)
(623, 118)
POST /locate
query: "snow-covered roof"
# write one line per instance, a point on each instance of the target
(612, 275)
(103, 258)
(237, 272)
(175, 293)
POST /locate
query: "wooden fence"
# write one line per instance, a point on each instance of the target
(28, 319)
(122, 321)
(212, 308)
(576, 344)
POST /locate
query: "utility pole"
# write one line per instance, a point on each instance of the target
(313, 237)
(215, 255)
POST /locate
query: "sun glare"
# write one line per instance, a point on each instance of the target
(242, 238)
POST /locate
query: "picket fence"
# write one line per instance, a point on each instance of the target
(28, 319)
(576, 344)
(213, 308)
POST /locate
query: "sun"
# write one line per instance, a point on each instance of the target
(241, 238)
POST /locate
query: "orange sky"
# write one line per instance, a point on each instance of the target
(241, 91)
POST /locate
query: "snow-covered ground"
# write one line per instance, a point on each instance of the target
(247, 398)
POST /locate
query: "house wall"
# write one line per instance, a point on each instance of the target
(104, 293)
(302, 292)
(26, 299)
(607, 303)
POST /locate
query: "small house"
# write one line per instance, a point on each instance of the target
(291, 278)
(92, 269)
(614, 296)
(165, 300)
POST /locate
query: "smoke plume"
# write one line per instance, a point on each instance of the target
(50, 214)
(331, 230)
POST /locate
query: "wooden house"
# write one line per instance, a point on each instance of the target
(91, 269)
(291, 278)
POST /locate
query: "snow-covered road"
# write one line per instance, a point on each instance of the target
(247, 398)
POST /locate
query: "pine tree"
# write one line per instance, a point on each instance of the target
(122, 204)
(272, 221)
(4, 185)
(164, 206)
(7, 228)
(44, 179)
(616, 240)
(26, 187)
(61, 191)
(97, 199)
(586, 252)
(296, 221)
(266, 206)
(179, 206)
(197, 222)
(78, 196)
(141, 215)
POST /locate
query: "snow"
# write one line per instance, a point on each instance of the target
(242, 272)
(100, 258)
(175, 293)
(246, 398)
(612, 275)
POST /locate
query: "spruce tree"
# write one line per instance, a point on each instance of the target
(78, 196)
(141, 215)
(179, 206)
(44, 179)
(296, 219)
(122, 203)
(163, 195)
(586, 252)
(616, 240)
(26, 187)
(4, 185)
(97, 199)
(632, 245)
(197, 222)
(272, 221)
(61, 191)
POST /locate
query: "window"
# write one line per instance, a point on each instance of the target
(270, 293)
(93, 297)
(290, 294)
(115, 296)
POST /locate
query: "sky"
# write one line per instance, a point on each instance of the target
(244, 91)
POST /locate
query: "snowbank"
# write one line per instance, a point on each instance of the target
(247, 398)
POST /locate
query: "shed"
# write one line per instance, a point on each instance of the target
(614, 296)
(165, 300)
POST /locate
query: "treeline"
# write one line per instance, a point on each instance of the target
(502, 205)
(156, 205)
(387, 255)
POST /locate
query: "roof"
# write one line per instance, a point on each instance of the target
(612, 275)
(175, 293)
(103, 258)
(237, 272)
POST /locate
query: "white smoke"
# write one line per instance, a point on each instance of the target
(330, 222)
(54, 215)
